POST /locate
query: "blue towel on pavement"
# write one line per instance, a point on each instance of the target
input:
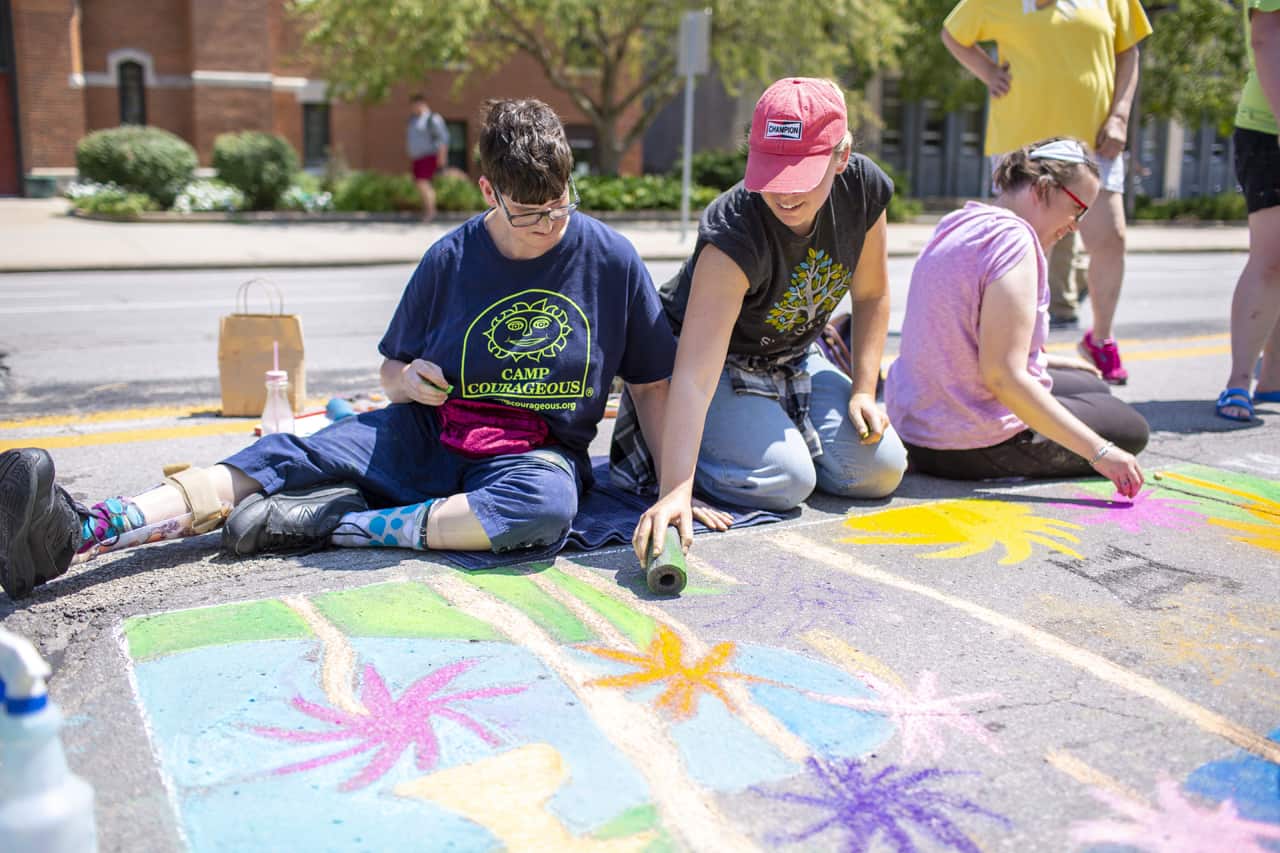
(607, 516)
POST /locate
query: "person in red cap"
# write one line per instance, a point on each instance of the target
(757, 416)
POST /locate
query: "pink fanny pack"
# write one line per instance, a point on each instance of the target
(477, 429)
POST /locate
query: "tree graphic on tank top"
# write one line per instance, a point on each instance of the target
(818, 284)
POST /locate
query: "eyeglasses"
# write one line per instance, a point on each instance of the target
(1084, 208)
(555, 214)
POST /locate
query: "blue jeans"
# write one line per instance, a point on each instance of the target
(753, 455)
(395, 457)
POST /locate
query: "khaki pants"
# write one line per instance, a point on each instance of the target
(1068, 277)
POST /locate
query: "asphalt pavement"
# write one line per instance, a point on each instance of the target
(1011, 665)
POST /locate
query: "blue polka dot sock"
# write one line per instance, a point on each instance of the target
(398, 527)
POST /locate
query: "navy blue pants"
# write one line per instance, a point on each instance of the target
(395, 457)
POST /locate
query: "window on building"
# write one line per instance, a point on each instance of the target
(315, 135)
(582, 141)
(894, 118)
(133, 92)
(457, 144)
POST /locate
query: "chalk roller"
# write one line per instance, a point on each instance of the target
(665, 572)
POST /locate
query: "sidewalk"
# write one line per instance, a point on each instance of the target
(37, 236)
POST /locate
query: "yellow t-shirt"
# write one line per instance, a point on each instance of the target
(1062, 62)
(1253, 111)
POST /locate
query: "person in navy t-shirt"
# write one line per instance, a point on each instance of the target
(498, 363)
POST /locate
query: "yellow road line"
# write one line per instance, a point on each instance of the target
(51, 442)
(111, 415)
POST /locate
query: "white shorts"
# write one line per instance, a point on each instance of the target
(1111, 170)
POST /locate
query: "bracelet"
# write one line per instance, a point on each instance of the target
(1102, 451)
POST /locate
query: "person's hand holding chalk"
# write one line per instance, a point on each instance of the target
(866, 417)
(424, 382)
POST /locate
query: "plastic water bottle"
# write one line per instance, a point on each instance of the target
(277, 414)
(44, 807)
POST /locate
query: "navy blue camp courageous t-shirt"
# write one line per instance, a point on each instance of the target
(793, 281)
(546, 334)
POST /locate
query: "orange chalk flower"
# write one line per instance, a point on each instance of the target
(663, 662)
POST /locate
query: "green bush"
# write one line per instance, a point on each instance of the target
(260, 165)
(114, 201)
(901, 208)
(646, 192)
(457, 192)
(718, 169)
(1228, 207)
(376, 192)
(139, 159)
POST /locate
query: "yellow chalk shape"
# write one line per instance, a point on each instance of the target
(972, 526)
(852, 660)
(508, 795)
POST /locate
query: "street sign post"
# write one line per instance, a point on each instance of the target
(694, 58)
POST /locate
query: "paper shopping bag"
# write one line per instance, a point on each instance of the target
(245, 352)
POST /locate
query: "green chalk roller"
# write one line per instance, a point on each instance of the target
(665, 572)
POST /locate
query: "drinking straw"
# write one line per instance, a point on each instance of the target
(275, 355)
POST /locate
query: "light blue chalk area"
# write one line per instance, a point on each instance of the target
(202, 706)
(721, 752)
(1253, 783)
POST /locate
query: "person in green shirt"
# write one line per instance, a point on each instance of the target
(1255, 307)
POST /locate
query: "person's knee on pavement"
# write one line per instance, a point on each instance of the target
(542, 519)
(778, 487)
(879, 477)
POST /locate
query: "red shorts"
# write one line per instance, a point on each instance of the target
(424, 168)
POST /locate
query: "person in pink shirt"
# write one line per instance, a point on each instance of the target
(973, 394)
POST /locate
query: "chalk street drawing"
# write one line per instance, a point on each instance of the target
(1137, 580)
(1196, 631)
(1259, 528)
(664, 663)
(1174, 824)
(1251, 783)
(971, 526)
(391, 726)
(860, 806)
(587, 701)
(1146, 510)
(508, 795)
(921, 713)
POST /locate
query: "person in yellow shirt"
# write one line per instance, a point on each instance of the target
(1064, 68)
(1255, 307)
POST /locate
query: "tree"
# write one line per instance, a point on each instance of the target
(615, 59)
(1194, 63)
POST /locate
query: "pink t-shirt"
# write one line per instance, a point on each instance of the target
(934, 393)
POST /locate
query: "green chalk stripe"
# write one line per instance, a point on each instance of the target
(399, 609)
(515, 588)
(637, 627)
(165, 633)
(634, 821)
(1218, 504)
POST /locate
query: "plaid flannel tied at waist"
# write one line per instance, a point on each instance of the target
(783, 379)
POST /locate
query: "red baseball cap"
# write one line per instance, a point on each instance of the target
(798, 122)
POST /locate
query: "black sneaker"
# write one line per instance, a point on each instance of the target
(297, 521)
(1056, 323)
(39, 524)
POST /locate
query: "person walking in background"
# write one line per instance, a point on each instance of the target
(973, 393)
(427, 141)
(1255, 307)
(1034, 97)
(1068, 282)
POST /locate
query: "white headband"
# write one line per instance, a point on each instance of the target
(1064, 150)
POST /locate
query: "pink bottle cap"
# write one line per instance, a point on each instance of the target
(277, 375)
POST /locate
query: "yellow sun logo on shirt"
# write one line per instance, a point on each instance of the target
(529, 330)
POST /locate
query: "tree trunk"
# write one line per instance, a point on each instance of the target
(607, 157)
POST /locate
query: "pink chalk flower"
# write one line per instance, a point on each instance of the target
(1175, 825)
(392, 725)
(1133, 516)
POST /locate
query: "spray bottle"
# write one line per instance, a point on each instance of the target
(44, 807)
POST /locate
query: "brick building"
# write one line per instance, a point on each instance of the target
(199, 68)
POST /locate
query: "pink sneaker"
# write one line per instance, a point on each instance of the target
(1105, 356)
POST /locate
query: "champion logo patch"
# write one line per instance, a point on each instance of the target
(775, 129)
